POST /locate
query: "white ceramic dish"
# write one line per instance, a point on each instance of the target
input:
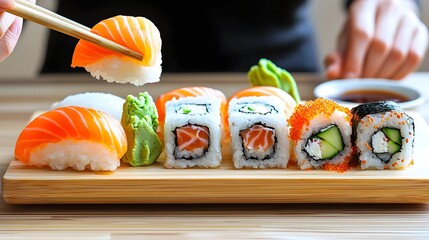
(334, 88)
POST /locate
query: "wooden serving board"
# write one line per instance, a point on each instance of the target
(155, 184)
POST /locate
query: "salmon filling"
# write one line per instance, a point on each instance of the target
(258, 142)
(192, 141)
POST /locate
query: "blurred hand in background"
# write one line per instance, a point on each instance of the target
(381, 39)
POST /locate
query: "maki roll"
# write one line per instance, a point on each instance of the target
(383, 134)
(321, 135)
(192, 132)
(258, 132)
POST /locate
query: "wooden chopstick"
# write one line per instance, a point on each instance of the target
(50, 13)
(64, 25)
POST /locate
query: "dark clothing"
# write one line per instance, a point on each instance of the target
(207, 36)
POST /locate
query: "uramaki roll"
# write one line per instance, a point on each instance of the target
(383, 134)
(259, 134)
(321, 135)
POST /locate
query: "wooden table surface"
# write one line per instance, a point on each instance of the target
(19, 98)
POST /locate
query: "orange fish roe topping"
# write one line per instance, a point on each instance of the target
(343, 167)
(305, 112)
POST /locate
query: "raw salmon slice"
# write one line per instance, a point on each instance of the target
(258, 138)
(136, 33)
(192, 137)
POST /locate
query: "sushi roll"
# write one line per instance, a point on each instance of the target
(192, 133)
(75, 137)
(320, 132)
(138, 34)
(105, 102)
(189, 92)
(259, 134)
(383, 134)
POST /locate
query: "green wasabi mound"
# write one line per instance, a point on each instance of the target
(140, 121)
(266, 73)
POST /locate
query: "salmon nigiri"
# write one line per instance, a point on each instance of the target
(258, 91)
(74, 137)
(187, 92)
(136, 33)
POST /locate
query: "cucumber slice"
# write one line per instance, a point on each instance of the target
(392, 147)
(320, 149)
(333, 136)
(393, 134)
(328, 150)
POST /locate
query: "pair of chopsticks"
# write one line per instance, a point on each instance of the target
(64, 25)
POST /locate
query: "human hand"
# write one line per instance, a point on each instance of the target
(381, 39)
(10, 29)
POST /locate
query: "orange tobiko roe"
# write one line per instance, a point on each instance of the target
(342, 167)
(305, 112)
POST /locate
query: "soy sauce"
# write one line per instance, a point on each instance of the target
(364, 96)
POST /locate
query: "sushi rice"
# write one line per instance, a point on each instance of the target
(78, 155)
(114, 69)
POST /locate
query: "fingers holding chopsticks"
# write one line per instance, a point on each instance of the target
(6, 4)
(10, 28)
